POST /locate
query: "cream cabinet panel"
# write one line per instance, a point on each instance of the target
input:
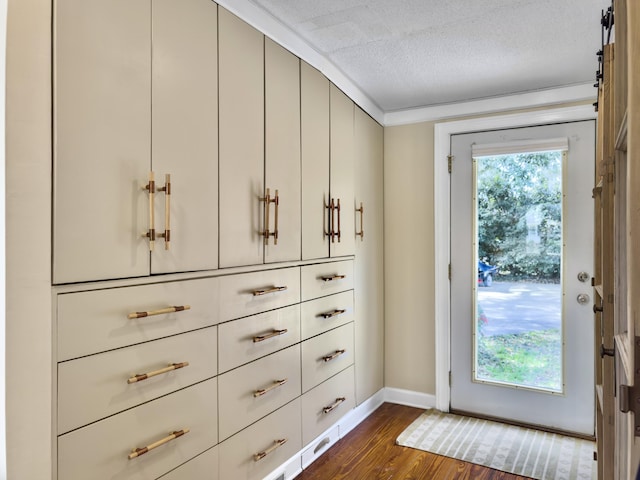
(342, 173)
(323, 279)
(282, 153)
(94, 387)
(95, 321)
(315, 161)
(250, 338)
(327, 403)
(369, 271)
(250, 392)
(101, 450)
(203, 467)
(185, 134)
(325, 355)
(102, 132)
(326, 313)
(241, 123)
(255, 452)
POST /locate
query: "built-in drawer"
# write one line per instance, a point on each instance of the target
(203, 467)
(252, 391)
(327, 403)
(103, 449)
(94, 387)
(99, 320)
(325, 355)
(242, 341)
(324, 279)
(322, 314)
(250, 293)
(264, 446)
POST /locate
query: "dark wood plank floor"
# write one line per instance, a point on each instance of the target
(369, 452)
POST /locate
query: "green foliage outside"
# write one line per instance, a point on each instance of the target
(519, 207)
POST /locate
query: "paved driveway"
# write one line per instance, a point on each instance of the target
(514, 307)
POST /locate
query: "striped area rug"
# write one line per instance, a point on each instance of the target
(522, 451)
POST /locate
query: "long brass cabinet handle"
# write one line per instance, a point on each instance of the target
(335, 313)
(330, 206)
(267, 207)
(332, 278)
(151, 190)
(266, 291)
(276, 383)
(361, 232)
(333, 221)
(339, 234)
(276, 444)
(167, 211)
(333, 356)
(150, 313)
(136, 452)
(334, 405)
(143, 376)
(266, 336)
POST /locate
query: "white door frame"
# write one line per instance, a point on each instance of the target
(441, 192)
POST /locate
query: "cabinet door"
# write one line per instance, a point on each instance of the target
(102, 132)
(185, 133)
(368, 264)
(241, 104)
(315, 161)
(282, 152)
(341, 173)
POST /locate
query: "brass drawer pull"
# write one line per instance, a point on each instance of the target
(175, 308)
(151, 233)
(333, 356)
(276, 384)
(266, 336)
(167, 211)
(257, 293)
(361, 232)
(332, 278)
(143, 376)
(332, 407)
(276, 444)
(335, 313)
(136, 452)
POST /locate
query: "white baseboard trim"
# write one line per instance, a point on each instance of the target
(409, 398)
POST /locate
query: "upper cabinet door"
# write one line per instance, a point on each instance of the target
(185, 134)
(102, 131)
(315, 162)
(342, 241)
(282, 154)
(241, 104)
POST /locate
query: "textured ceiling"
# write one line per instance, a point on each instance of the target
(414, 53)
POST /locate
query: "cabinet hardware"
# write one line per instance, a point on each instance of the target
(339, 229)
(335, 313)
(332, 278)
(361, 232)
(267, 206)
(276, 383)
(333, 406)
(266, 336)
(151, 233)
(150, 313)
(333, 356)
(136, 452)
(143, 376)
(167, 211)
(257, 293)
(330, 206)
(276, 443)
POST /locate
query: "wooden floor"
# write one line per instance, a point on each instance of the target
(369, 452)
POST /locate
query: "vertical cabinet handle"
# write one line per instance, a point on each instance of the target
(339, 234)
(266, 233)
(151, 232)
(361, 232)
(330, 219)
(276, 444)
(136, 452)
(167, 211)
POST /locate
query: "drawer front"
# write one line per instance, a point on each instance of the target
(325, 313)
(317, 365)
(239, 452)
(95, 321)
(240, 400)
(242, 341)
(203, 467)
(101, 450)
(94, 387)
(327, 403)
(326, 278)
(250, 293)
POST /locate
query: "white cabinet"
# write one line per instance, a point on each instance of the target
(107, 83)
(368, 264)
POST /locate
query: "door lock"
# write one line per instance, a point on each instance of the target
(583, 276)
(583, 299)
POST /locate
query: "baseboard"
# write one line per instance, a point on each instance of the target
(409, 398)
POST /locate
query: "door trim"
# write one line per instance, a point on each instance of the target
(441, 193)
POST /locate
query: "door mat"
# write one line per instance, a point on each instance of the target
(521, 451)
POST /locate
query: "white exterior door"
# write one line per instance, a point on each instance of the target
(506, 313)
